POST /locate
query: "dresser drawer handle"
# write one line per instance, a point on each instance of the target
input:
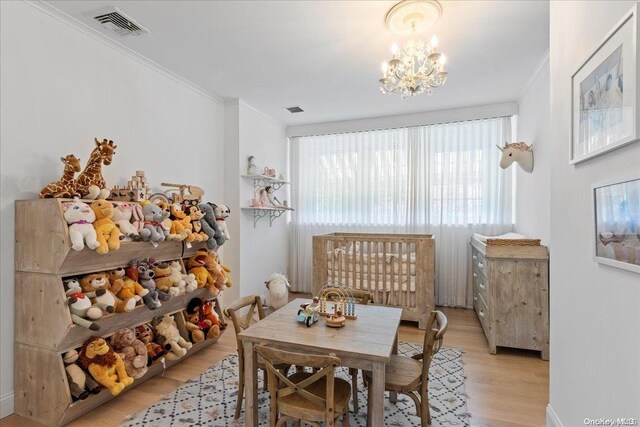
(481, 313)
(480, 265)
(475, 257)
(475, 275)
(475, 298)
(482, 286)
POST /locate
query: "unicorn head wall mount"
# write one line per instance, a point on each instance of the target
(518, 152)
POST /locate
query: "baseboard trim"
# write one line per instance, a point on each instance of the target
(6, 405)
(552, 418)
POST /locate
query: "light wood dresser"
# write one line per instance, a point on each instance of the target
(511, 295)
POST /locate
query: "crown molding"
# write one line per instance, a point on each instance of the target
(240, 101)
(543, 62)
(87, 30)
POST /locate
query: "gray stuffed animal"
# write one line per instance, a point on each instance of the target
(211, 227)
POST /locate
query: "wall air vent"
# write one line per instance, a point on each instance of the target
(114, 20)
(296, 109)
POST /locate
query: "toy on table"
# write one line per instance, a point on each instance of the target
(80, 219)
(104, 365)
(335, 296)
(90, 183)
(80, 385)
(108, 234)
(211, 227)
(95, 282)
(132, 351)
(147, 335)
(66, 185)
(169, 337)
(335, 320)
(83, 310)
(308, 313)
(136, 190)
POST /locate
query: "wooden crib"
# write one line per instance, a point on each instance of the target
(398, 269)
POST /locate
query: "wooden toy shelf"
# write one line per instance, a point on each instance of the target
(43, 326)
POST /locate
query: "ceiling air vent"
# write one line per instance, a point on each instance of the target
(296, 109)
(114, 20)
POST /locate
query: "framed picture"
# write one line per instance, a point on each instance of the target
(604, 94)
(617, 223)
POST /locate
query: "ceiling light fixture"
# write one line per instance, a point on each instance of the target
(417, 67)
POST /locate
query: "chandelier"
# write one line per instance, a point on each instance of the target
(417, 67)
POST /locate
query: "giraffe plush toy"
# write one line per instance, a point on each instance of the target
(66, 186)
(90, 183)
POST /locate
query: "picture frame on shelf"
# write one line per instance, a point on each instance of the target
(605, 95)
(616, 220)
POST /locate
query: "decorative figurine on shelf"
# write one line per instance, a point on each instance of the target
(308, 313)
(146, 334)
(80, 385)
(271, 197)
(83, 310)
(210, 226)
(277, 291)
(80, 218)
(252, 169)
(104, 365)
(169, 337)
(123, 213)
(90, 183)
(65, 186)
(107, 233)
(263, 199)
(271, 173)
(222, 213)
(518, 152)
(132, 351)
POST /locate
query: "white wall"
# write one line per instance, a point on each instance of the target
(595, 319)
(60, 89)
(533, 198)
(262, 250)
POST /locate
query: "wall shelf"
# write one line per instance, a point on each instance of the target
(272, 213)
(260, 182)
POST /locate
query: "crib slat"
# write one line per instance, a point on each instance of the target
(376, 278)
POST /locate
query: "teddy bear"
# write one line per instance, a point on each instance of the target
(169, 336)
(208, 321)
(154, 229)
(222, 213)
(122, 215)
(80, 384)
(147, 335)
(196, 266)
(187, 282)
(104, 365)
(98, 281)
(145, 277)
(180, 223)
(213, 267)
(210, 226)
(194, 327)
(165, 280)
(125, 286)
(80, 218)
(108, 235)
(132, 351)
(83, 310)
(196, 216)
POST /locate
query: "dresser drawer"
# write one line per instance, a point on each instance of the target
(479, 263)
(481, 285)
(483, 314)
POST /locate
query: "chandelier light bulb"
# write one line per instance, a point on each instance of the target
(394, 48)
(385, 68)
(443, 59)
(434, 42)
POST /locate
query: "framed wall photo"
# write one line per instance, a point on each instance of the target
(616, 237)
(604, 94)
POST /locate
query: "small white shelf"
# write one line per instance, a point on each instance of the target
(259, 213)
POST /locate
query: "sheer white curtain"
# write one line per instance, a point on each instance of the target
(441, 179)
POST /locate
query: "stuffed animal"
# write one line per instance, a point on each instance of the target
(132, 351)
(137, 218)
(104, 365)
(65, 186)
(518, 152)
(145, 277)
(80, 218)
(122, 216)
(166, 222)
(196, 266)
(124, 283)
(83, 310)
(222, 213)
(210, 226)
(227, 272)
(169, 335)
(147, 335)
(195, 214)
(277, 291)
(107, 232)
(194, 327)
(80, 384)
(90, 183)
(180, 223)
(166, 281)
(97, 281)
(154, 230)
(213, 267)
(208, 320)
(187, 282)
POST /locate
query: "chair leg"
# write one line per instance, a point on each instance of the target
(240, 397)
(426, 411)
(354, 386)
(416, 399)
(345, 419)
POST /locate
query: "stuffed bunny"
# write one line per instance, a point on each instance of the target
(122, 215)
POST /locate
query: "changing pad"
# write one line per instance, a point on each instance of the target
(484, 238)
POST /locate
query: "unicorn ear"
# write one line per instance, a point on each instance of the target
(499, 148)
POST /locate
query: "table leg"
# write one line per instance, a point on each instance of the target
(250, 385)
(376, 403)
(393, 396)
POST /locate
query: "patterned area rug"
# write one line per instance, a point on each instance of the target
(210, 399)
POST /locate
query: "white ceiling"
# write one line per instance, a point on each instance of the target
(325, 56)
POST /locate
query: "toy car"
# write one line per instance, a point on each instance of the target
(308, 313)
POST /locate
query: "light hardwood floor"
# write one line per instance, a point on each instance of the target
(508, 389)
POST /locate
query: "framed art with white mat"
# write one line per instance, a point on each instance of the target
(616, 218)
(604, 94)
